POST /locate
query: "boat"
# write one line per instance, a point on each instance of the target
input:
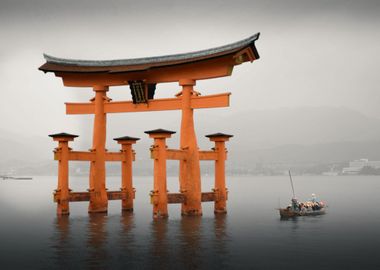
(308, 208)
(22, 178)
(6, 177)
(289, 212)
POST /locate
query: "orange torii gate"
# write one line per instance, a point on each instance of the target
(142, 75)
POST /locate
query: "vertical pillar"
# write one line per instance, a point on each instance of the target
(126, 171)
(61, 195)
(189, 175)
(98, 192)
(159, 195)
(220, 176)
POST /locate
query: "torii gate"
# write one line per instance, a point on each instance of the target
(142, 75)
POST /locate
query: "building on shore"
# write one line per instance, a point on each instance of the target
(357, 165)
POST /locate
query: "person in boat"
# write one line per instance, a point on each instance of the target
(316, 205)
(295, 205)
(303, 208)
(312, 202)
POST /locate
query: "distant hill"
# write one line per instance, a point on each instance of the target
(258, 129)
(316, 153)
(17, 146)
(308, 135)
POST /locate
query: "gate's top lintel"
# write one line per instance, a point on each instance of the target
(204, 64)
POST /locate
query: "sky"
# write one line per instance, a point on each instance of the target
(313, 54)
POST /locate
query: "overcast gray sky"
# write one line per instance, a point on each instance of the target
(313, 53)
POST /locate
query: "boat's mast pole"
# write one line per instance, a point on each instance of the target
(291, 182)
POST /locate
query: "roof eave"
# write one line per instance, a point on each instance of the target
(108, 65)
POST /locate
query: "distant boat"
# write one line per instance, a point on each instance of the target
(309, 208)
(293, 212)
(5, 177)
(22, 178)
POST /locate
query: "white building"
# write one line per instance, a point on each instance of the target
(357, 165)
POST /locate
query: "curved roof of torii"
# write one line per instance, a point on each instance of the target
(55, 64)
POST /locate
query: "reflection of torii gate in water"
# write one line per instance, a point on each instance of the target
(142, 75)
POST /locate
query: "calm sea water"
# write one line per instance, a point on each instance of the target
(250, 236)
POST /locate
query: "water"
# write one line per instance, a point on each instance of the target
(251, 236)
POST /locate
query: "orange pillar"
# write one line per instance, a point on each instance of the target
(98, 192)
(220, 189)
(62, 193)
(159, 194)
(189, 175)
(126, 171)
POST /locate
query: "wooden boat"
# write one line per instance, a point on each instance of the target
(288, 212)
(309, 208)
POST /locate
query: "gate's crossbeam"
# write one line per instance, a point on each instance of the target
(175, 154)
(181, 198)
(197, 102)
(90, 156)
(85, 196)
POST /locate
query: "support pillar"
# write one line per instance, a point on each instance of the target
(126, 171)
(189, 175)
(98, 192)
(159, 194)
(220, 189)
(61, 195)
